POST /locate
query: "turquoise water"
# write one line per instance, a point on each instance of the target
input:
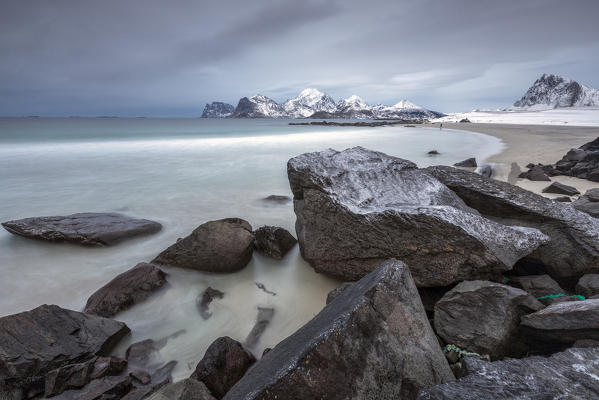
(180, 172)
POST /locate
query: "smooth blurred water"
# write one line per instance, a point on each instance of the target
(180, 172)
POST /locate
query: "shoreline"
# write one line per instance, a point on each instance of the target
(526, 144)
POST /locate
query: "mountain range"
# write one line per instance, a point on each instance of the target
(553, 91)
(312, 103)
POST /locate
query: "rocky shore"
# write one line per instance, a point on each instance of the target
(369, 124)
(458, 286)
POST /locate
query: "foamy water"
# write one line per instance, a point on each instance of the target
(181, 178)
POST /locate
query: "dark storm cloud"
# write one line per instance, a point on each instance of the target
(151, 57)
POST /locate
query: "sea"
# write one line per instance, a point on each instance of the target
(181, 173)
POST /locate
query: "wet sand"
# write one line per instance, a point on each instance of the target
(526, 144)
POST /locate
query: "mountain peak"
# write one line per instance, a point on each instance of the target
(553, 91)
(405, 104)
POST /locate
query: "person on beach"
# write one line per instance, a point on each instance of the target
(441, 125)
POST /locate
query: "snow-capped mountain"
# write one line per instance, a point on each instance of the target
(258, 106)
(404, 109)
(308, 102)
(217, 109)
(552, 91)
(354, 107)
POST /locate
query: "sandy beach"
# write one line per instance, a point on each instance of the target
(526, 144)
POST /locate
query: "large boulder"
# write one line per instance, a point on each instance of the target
(93, 229)
(541, 287)
(588, 203)
(484, 317)
(273, 241)
(588, 285)
(35, 342)
(571, 374)
(187, 389)
(574, 246)
(125, 290)
(372, 341)
(358, 207)
(110, 387)
(224, 363)
(564, 322)
(225, 245)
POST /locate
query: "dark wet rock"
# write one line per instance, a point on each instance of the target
(586, 343)
(560, 188)
(358, 207)
(264, 289)
(224, 363)
(464, 120)
(563, 199)
(224, 245)
(430, 296)
(266, 350)
(164, 374)
(35, 342)
(187, 389)
(484, 317)
(126, 290)
(536, 173)
(273, 241)
(203, 302)
(564, 322)
(582, 163)
(373, 341)
(574, 246)
(333, 294)
(486, 171)
(277, 199)
(469, 163)
(108, 366)
(110, 387)
(159, 378)
(265, 315)
(93, 229)
(72, 376)
(141, 353)
(140, 376)
(541, 287)
(433, 153)
(588, 203)
(588, 285)
(571, 374)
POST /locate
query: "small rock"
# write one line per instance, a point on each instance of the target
(560, 188)
(592, 194)
(92, 229)
(225, 245)
(141, 376)
(464, 120)
(588, 203)
(72, 376)
(470, 163)
(203, 302)
(141, 353)
(540, 286)
(433, 153)
(187, 389)
(277, 199)
(486, 171)
(588, 285)
(586, 343)
(224, 363)
(536, 173)
(563, 199)
(110, 387)
(265, 315)
(108, 366)
(273, 241)
(125, 290)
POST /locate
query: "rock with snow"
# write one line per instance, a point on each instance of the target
(552, 91)
(572, 374)
(258, 106)
(574, 247)
(484, 317)
(308, 102)
(564, 322)
(373, 341)
(218, 109)
(358, 207)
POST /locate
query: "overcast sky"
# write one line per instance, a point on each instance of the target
(168, 58)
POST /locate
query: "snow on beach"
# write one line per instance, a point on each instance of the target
(574, 116)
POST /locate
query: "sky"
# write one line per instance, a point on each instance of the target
(169, 58)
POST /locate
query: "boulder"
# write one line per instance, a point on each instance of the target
(536, 173)
(574, 246)
(588, 203)
(224, 363)
(469, 163)
(560, 188)
(337, 291)
(540, 287)
(571, 374)
(110, 387)
(273, 241)
(358, 207)
(35, 342)
(588, 285)
(141, 353)
(486, 171)
(372, 341)
(108, 366)
(563, 199)
(433, 153)
(72, 376)
(265, 315)
(582, 162)
(277, 199)
(564, 322)
(224, 245)
(92, 229)
(187, 389)
(203, 301)
(126, 290)
(484, 317)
